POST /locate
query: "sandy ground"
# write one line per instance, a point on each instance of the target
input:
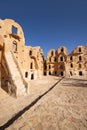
(63, 108)
(9, 106)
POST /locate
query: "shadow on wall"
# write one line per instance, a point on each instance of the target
(4, 78)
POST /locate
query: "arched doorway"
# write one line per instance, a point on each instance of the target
(49, 73)
(62, 74)
(45, 73)
(80, 73)
(26, 74)
(32, 76)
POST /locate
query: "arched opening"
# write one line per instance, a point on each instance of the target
(71, 58)
(49, 66)
(45, 73)
(61, 58)
(80, 73)
(30, 52)
(80, 58)
(62, 74)
(71, 65)
(31, 66)
(55, 59)
(14, 30)
(26, 74)
(32, 76)
(62, 50)
(49, 73)
(79, 49)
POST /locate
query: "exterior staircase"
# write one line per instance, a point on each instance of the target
(16, 85)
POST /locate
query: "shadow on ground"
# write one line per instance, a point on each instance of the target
(75, 82)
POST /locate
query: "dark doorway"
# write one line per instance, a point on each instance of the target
(61, 58)
(26, 74)
(45, 73)
(32, 76)
(62, 74)
(55, 72)
(80, 73)
(49, 73)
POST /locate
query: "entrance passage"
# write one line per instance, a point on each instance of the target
(49, 73)
(32, 76)
(26, 74)
(62, 74)
(45, 73)
(80, 73)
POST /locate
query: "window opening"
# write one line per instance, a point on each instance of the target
(26, 74)
(45, 73)
(62, 73)
(71, 58)
(61, 58)
(30, 52)
(80, 58)
(55, 59)
(32, 76)
(79, 49)
(31, 66)
(14, 30)
(80, 73)
(62, 49)
(49, 67)
(71, 65)
(49, 73)
(14, 46)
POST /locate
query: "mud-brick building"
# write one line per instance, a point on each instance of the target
(59, 63)
(77, 61)
(33, 62)
(17, 61)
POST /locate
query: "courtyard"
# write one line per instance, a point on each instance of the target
(63, 107)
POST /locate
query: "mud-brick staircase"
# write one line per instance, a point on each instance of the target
(17, 85)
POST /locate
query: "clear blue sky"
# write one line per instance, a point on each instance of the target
(49, 23)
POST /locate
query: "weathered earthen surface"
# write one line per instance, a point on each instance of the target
(58, 62)
(17, 61)
(20, 63)
(63, 108)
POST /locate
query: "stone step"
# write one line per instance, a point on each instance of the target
(16, 76)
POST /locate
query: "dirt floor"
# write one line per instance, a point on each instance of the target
(62, 108)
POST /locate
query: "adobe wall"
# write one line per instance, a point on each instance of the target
(33, 62)
(59, 63)
(12, 43)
